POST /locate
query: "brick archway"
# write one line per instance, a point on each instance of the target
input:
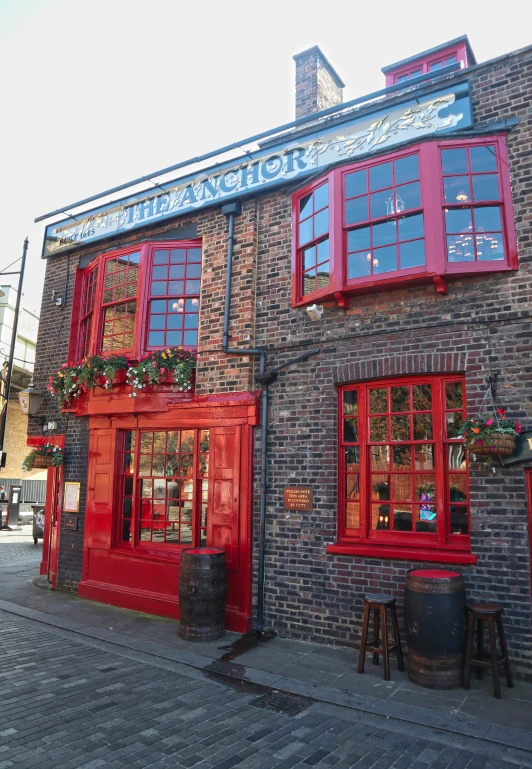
(420, 363)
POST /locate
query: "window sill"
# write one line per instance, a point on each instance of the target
(402, 553)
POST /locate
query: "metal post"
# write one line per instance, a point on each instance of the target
(11, 356)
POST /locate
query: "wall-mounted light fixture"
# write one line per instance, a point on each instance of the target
(30, 401)
(315, 311)
(57, 298)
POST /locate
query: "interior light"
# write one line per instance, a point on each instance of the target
(462, 195)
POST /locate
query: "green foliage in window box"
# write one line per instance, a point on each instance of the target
(74, 379)
(43, 456)
(158, 366)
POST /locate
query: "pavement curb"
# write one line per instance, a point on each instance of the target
(500, 735)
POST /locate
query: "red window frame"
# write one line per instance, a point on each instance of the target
(79, 347)
(432, 205)
(358, 451)
(422, 64)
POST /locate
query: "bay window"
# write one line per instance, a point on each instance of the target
(428, 212)
(139, 299)
(403, 481)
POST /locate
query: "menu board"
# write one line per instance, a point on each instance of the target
(71, 497)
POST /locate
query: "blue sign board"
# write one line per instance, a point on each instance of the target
(287, 161)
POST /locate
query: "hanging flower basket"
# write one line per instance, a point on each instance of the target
(490, 434)
(496, 444)
(43, 456)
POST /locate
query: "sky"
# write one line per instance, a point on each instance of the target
(95, 94)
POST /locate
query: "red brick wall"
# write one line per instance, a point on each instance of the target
(483, 321)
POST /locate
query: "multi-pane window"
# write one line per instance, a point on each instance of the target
(438, 209)
(473, 199)
(119, 302)
(388, 194)
(131, 301)
(403, 470)
(164, 487)
(87, 311)
(174, 298)
(314, 239)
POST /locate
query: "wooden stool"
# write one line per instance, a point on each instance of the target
(491, 613)
(380, 604)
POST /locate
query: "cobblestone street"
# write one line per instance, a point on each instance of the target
(83, 703)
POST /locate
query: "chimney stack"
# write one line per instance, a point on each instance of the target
(318, 85)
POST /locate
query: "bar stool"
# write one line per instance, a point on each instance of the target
(380, 604)
(490, 613)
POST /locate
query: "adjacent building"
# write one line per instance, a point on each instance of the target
(354, 286)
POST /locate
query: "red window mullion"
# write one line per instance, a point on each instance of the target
(438, 395)
(363, 436)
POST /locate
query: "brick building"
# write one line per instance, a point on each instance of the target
(380, 251)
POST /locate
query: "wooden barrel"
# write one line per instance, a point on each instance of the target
(202, 594)
(435, 627)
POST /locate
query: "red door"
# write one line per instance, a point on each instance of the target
(528, 477)
(53, 520)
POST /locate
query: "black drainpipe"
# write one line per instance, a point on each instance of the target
(264, 379)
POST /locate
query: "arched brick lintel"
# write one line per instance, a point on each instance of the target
(401, 365)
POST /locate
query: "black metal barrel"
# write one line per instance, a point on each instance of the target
(202, 594)
(435, 627)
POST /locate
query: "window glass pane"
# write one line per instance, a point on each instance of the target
(178, 270)
(416, 73)
(378, 429)
(454, 395)
(402, 457)
(191, 320)
(380, 486)
(157, 321)
(305, 206)
(309, 257)
(422, 427)
(401, 428)
(175, 321)
(459, 522)
(457, 189)
(193, 271)
(489, 247)
(192, 286)
(358, 239)
(323, 275)
(456, 457)
(160, 257)
(305, 231)
(321, 223)
(412, 254)
(380, 517)
(358, 265)
(402, 487)
(355, 184)
(454, 422)
(352, 459)
(378, 401)
(321, 197)
(402, 78)
(460, 248)
(309, 282)
(435, 65)
(458, 220)
(350, 402)
(178, 255)
(486, 187)
(488, 219)
(352, 487)
(454, 161)
(380, 176)
(380, 457)
(352, 515)
(194, 255)
(408, 196)
(450, 60)
(424, 457)
(356, 210)
(406, 169)
(323, 251)
(156, 338)
(350, 430)
(400, 399)
(159, 272)
(158, 305)
(411, 227)
(158, 288)
(190, 339)
(422, 397)
(483, 159)
(382, 204)
(402, 517)
(192, 305)
(385, 259)
(383, 234)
